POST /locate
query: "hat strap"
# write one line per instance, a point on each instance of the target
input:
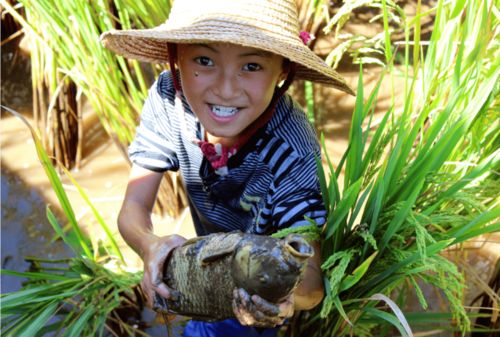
(172, 56)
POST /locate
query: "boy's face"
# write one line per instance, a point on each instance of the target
(228, 86)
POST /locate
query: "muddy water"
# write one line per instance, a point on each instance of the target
(25, 229)
(103, 174)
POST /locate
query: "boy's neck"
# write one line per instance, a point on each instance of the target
(226, 142)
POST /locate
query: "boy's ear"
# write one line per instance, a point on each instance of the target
(282, 77)
(286, 70)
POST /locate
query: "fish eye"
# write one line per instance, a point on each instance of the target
(263, 278)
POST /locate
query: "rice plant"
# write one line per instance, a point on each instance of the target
(69, 62)
(415, 182)
(363, 49)
(93, 293)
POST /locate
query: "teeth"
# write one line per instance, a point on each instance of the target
(224, 111)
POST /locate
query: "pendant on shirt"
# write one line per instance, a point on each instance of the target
(217, 155)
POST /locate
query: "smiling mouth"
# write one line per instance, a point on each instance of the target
(223, 111)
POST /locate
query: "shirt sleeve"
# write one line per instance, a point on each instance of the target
(152, 147)
(294, 197)
(298, 196)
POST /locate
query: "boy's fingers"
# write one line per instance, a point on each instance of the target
(265, 307)
(162, 290)
(242, 307)
(287, 308)
(159, 303)
(244, 297)
(242, 316)
(261, 319)
(255, 311)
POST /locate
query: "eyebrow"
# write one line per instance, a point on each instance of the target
(256, 52)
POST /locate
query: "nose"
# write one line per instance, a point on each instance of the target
(227, 86)
(298, 246)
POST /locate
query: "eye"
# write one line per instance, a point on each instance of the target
(263, 278)
(204, 61)
(252, 67)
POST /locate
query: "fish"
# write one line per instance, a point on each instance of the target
(204, 271)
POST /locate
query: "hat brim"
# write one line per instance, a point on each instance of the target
(150, 45)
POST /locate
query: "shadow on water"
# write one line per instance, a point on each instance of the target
(25, 229)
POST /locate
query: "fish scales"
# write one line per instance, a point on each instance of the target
(193, 279)
(205, 270)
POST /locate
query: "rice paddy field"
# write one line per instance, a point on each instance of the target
(409, 170)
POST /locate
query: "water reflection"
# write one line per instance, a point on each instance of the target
(25, 229)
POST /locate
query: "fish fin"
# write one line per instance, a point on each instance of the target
(219, 247)
(192, 240)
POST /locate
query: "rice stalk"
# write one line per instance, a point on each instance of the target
(75, 296)
(423, 184)
(65, 36)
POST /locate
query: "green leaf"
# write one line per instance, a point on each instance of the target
(376, 283)
(356, 145)
(340, 212)
(457, 8)
(333, 188)
(37, 276)
(387, 40)
(309, 95)
(115, 249)
(340, 308)
(461, 233)
(70, 240)
(38, 321)
(357, 274)
(393, 320)
(375, 141)
(322, 183)
(483, 167)
(400, 217)
(76, 328)
(397, 312)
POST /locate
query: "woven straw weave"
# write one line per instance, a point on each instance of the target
(270, 25)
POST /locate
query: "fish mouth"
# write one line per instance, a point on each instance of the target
(298, 247)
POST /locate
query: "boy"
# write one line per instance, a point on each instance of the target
(245, 150)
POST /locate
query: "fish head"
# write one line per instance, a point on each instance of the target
(270, 268)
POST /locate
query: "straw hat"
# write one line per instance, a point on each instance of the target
(270, 25)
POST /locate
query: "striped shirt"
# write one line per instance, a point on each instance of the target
(272, 181)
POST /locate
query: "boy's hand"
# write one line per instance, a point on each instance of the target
(255, 311)
(154, 259)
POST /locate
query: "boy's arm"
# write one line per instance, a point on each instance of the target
(310, 290)
(134, 220)
(136, 228)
